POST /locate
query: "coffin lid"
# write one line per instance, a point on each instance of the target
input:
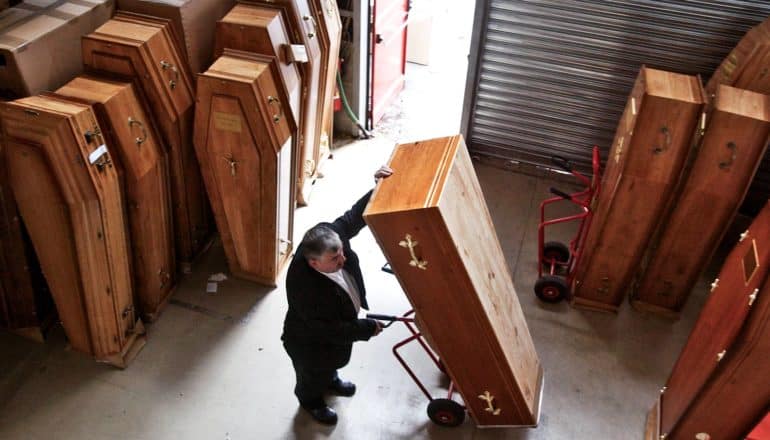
(413, 187)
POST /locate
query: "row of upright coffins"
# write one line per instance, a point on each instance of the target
(141, 90)
(680, 165)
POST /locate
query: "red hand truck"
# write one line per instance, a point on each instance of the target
(560, 260)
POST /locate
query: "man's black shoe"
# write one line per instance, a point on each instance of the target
(324, 415)
(342, 387)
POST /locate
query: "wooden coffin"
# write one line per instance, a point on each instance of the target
(147, 53)
(303, 31)
(70, 199)
(744, 67)
(243, 130)
(192, 20)
(262, 30)
(719, 384)
(735, 140)
(652, 142)
(452, 268)
(137, 149)
(327, 15)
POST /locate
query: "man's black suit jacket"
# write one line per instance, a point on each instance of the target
(321, 323)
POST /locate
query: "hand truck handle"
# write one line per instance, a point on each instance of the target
(382, 317)
(561, 194)
(562, 163)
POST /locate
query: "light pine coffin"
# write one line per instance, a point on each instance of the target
(303, 31)
(719, 385)
(327, 16)
(652, 142)
(147, 53)
(432, 223)
(142, 158)
(262, 30)
(243, 128)
(69, 197)
(736, 137)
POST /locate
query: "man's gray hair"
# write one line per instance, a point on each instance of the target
(319, 240)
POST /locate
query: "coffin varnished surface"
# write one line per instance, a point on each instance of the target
(653, 141)
(465, 280)
(303, 30)
(729, 154)
(148, 53)
(144, 164)
(243, 138)
(74, 212)
(720, 322)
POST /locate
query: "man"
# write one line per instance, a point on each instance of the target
(326, 291)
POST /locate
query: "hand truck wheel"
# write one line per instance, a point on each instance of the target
(446, 412)
(556, 250)
(551, 288)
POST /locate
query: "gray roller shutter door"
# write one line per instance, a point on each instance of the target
(551, 77)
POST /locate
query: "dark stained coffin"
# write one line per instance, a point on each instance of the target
(243, 129)
(452, 268)
(70, 199)
(736, 137)
(327, 16)
(137, 149)
(303, 30)
(652, 142)
(262, 30)
(719, 384)
(147, 52)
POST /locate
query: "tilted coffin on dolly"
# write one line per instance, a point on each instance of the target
(432, 223)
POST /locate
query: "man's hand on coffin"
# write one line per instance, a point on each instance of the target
(383, 172)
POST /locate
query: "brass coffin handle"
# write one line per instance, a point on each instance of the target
(273, 100)
(733, 154)
(312, 19)
(490, 400)
(140, 140)
(410, 244)
(169, 66)
(666, 142)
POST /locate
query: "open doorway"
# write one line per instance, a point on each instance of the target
(433, 57)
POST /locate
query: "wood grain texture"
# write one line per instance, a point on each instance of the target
(144, 163)
(464, 297)
(651, 431)
(264, 31)
(303, 30)
(327, 16)
(147, 52)
(241, 138)
(75, 215)
(744, 67)
(727, 159)
(26, 305)
(719, 324)
(653, 141)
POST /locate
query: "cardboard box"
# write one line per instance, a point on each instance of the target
(193, 20)
(40, 43)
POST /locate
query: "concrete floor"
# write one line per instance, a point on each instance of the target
(214, 367)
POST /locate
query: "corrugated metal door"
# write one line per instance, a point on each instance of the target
(552, 76)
